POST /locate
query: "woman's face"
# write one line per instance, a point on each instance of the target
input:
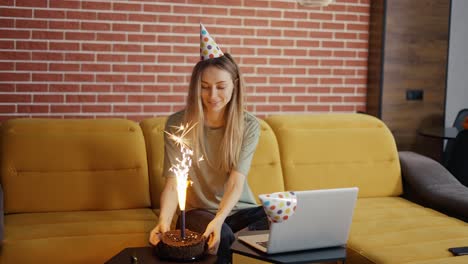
(216, 89)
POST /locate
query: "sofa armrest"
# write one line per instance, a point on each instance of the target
(428, 183)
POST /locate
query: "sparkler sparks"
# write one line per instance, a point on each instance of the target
(182, 167)
(183, 130)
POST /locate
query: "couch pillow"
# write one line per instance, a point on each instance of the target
(338, 150)
(52, 165)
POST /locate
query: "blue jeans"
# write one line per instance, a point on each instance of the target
(254, 218)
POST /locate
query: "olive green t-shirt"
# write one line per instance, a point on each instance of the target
(207, 189)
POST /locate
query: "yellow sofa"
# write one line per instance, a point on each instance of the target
(79, 191)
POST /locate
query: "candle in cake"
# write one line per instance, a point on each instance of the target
(181, 169)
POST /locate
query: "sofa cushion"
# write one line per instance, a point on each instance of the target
(394, 230)
(74, 237)
(68, 165)
(265, 173)
(448, 260)
(338, 150)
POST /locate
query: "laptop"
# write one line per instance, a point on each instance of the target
(322, 219)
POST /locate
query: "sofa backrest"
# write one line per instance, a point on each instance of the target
(338, 150)
(265, 173)
(65, 165)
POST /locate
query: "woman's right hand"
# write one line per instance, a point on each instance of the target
(155, 234)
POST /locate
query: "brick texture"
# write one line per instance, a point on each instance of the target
(133, 59)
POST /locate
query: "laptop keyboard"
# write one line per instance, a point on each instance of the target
(262, 243)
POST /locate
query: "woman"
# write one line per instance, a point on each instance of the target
(226, 137)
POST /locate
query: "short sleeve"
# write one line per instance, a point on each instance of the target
(171, 150)
(249, 144)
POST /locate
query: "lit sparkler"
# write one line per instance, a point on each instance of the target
(182, 167)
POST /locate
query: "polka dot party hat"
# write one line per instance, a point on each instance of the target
(208, 47)
(279, 206)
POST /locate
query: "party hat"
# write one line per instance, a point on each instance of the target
(208, 47)
(279, 206)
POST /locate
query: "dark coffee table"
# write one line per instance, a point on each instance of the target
(439, 132)
(145, 255)
(305, 256)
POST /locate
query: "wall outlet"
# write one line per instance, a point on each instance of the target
(414, 95)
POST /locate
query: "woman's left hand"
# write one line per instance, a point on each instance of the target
(213, 234)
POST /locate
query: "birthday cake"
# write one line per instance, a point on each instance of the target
(173, 246)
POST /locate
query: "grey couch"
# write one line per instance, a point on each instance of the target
(430, 184)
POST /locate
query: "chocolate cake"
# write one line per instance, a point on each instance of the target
(172, 246)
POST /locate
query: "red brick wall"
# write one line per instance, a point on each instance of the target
(133, 59)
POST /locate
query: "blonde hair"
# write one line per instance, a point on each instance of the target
(233, 115)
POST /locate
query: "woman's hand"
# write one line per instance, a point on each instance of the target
(213, 234)
(155, 234)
